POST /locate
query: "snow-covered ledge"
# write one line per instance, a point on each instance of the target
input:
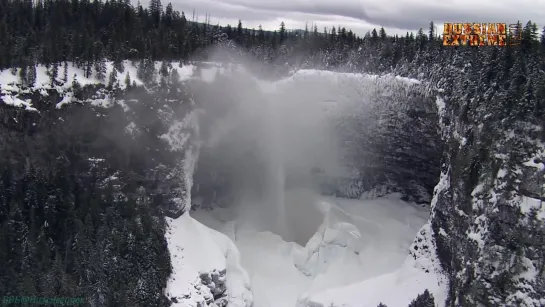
(206, 267)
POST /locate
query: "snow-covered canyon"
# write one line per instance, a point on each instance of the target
(259, 221)
(254, 178)
(269, 165)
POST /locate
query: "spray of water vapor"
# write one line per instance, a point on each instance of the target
(269, 138)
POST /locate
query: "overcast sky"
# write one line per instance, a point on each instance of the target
(396, 16)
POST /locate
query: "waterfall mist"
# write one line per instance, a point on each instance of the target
(263, 145)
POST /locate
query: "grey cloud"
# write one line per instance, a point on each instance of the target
(398, 14)
(352, 9)
(222, 10)
(401, 15)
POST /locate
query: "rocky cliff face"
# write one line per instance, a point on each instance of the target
(116, 128)
(487, 214)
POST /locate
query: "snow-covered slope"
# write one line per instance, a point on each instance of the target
(12, 88)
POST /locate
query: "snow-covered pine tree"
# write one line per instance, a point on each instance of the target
(88, 69)
(31, 76)
(423, 300)
(23, 75)
(164, 72)
(65, 72)
(127, 80)
(112, 79)
(118, 64)
(146, 71)
(174, 77)
(100, 69)
(76, 86)
(54, 73)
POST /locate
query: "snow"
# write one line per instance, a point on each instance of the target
(187, 239)
(477, 237)
(16, 102)
(359, 250)
(132, 129)
(337, 77)
(177, 136)
(440, 102)
(8, 80)
(396, 289)
(528, 203)
(66, 99)
(105, 102)
(209, 74)
(11, 87)
(540, 156)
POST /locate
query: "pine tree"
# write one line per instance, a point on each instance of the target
(118, 65)
(18, 234)
(282, 32)
(163, 70)
(421, 39)
(423, 300)
(7, 272)
(100, 70)
(543, 39)
(31, 75)
(23, 75)
(261, 35)
(174, 77)
(431, 32)
(239, 36)
(382, 33)
(112, 79)
(127, 80)
(65, 72)
(76, 87)
(146, 71)
(374, 35)
(88, 69)
(156, 10)
(53, 73)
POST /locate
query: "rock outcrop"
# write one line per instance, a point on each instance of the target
(487, 216)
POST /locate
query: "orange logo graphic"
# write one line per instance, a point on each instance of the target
(480, 34)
